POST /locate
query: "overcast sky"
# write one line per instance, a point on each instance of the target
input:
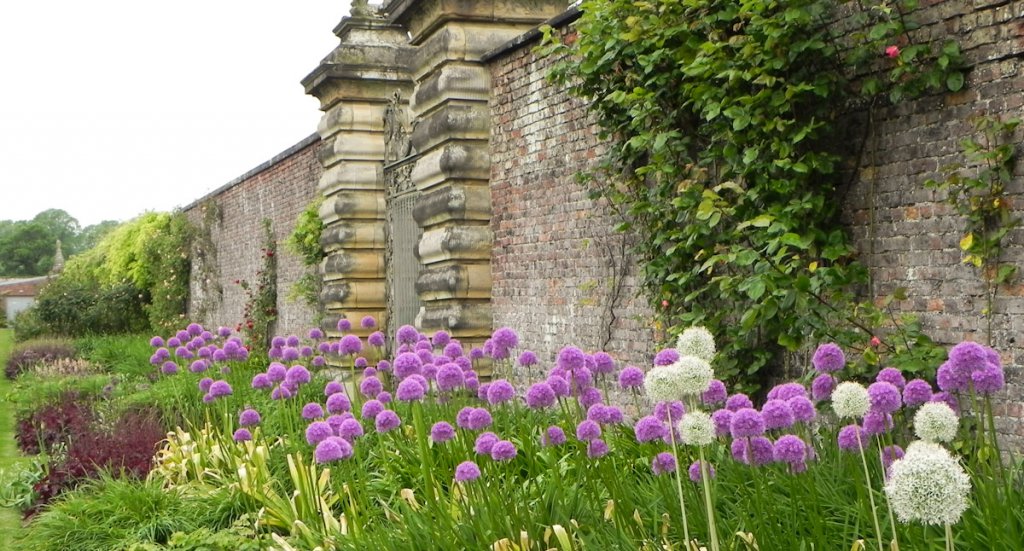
(114, 107)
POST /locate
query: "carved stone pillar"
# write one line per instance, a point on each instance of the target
(354, 84)
(451, 126)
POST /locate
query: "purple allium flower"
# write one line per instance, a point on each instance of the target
(306, 351)
(220, 388)
(350, 429)
(332, 449)
(802, 408)
(596, 413)
(173, 342)
(479, 419)
(224, 331)
(828, 358)
(333, 387)
(662, 463)
(371, 386)
(822, 387)
(198, 366)
(597, 448)
(318, 431)
(407, 364)
(540, 395)
(777, 415)
(754, 451)
(290, 354)
(877, 422)
(450, 377)
(442, 431)
(280, 393)
(194, 329)
(407, 334)
(737, 402)
(292, 341)
(467, 471)
(786, 391)
(350, 345)
(206, 352)
(612, 415)
(386, 420)
(409, 390)
(242, 435)
(715, 394)
(650, 428)
(503, 450)
(182, 352)
(579, 379)
(169, 368)
(344, 325)
(368, 322)
(277, 342)
(559, 385)
(589, 397)
(384, 366)
(722, 419)
(338, 403)
(335, 421)
(462, 417)
(950, 379)
(631, 377)
(441, 339)
(371, 409)
(885, 397)
(430, 371)
(297, 374)
(948, 398)
(745, 423)
(315, 333)
(312, 411)
(917, 392)
(789, 449)
(603, 363)
(207, 398)
(893, 376)
(162, 353)
(500, 391)
(968, 357)
(505, 338)
(570, 358)
(156, 341)
(452, 350)
(695, 474)
(476, 353)
(155, 359)
(249, 417)
(527, 359)
(890, 454)
(848, 438)
(588, 430)
(219, 355)
(376, 339)
(669, 411)
(484, 443)
(989, 379)
(182, 335)
(554, 436)
(665, 357)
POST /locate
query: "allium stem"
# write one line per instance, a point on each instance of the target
(706, 479)
(892, 519)
(871, 496)
(949, 538)
(679, 480)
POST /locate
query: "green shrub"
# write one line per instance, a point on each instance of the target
(27, 325)
(126, 355)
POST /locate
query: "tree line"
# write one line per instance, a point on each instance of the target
(27, 247)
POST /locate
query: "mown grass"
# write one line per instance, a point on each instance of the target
(10, 459)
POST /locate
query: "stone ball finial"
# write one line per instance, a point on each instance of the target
(361, 8)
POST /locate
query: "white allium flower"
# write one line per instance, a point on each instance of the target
(936, 422)
(697, 375)
(696, 341)
(665, 383)
(696, 428)
(850, 400)
(928, 485)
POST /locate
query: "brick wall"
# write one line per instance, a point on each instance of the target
(556, 255)
(278, 190)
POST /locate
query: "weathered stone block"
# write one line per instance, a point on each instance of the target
(352, 146)
(358, 117)
(353, 294)
(353, 204)
(356, 263)
(453, 81)
(466, 160)
(461, 318)
(422, 17)
(458, 281)
(453, 119)
(353, 235)
(451, 202)
(455, 243)
(351, 175)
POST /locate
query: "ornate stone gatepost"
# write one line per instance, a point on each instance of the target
(354, 84)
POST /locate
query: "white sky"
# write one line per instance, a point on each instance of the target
(114, 107)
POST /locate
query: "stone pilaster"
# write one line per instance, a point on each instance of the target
(451, 127)
(354, 84)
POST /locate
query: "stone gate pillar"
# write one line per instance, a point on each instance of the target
(450, 128)
(354, 85)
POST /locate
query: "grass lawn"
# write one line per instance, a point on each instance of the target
(10, 520)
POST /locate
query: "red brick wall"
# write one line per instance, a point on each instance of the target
(555, 250)
(277, 190)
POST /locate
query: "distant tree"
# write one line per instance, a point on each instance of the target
(26, 249)
(93, 234)
(62, 226)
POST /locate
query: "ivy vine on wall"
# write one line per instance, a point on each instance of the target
(304, 241)
(727, 117)
(260, 311)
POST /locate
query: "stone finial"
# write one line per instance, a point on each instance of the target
(361, 8)
(58, 259)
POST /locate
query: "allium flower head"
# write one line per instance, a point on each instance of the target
(318, 431)
(851, 438)
(349, 429)
(671, 382)
(224, 331)
(442, 431)
(315, 333)
(967, 357)
(936, 422)
(386, 420)
(462, 417)
(989, 379)
(173, 342)
(777, 414)
(553, 436)
(663, 463)
(526, 358)
(754, 451)
(892, 375)
(579, 379)
(722, 419)
(407, 363)
(597, 448)
(371, 386)
(297, 374)
(290, 354)
(480, 418)
(885, 397)
(503, 450)
(169, 368)
(587, 430)
(631, 377)
(156, 341)
(696, 428)
(344, 325)
(410, 390)
(877, 422)
(249, 417)
(802, 408)
(559, 385)
(500, 391)
(440, 339)
(368, 322)
(789, 449)
(889, 455)
(669, 411)
(951, 379)
(540, 395)
(484, 443)
(850, 400)
(332, 449)
(828, 358)
(715, 393)
(476, 353)
(785, 391)
(505, 338)
(667, 356)
(338, 403)
(695, 474)
(450, 377)
(917, 392)
(292, 341)
(928, 485)
(371, 409)
(219, 389)
(453, 350)
(242, 435)
(570, 358)
(698, 342)
(745, 423)
(376, 339)
(312, 410)
(649, 429)
(737, 402)
(467, 471)
(947, 398)
(603, 363)
(407, 334)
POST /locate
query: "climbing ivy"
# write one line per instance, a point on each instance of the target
(305, 242)
(727, 119)
(260, 311)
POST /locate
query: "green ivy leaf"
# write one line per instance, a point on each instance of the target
(955, 81)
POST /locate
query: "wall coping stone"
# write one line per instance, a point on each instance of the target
(561, 20)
